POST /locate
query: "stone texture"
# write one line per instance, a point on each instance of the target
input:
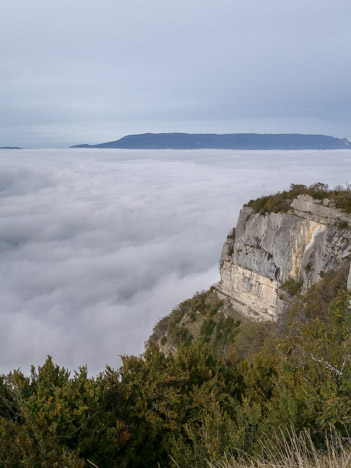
(270, 249)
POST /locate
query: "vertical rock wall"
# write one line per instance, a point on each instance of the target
(266, 250)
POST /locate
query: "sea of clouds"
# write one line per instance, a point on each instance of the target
(97, 245)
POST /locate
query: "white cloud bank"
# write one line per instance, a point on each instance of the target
(97, 245)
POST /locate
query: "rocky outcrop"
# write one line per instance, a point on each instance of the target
(267, 250)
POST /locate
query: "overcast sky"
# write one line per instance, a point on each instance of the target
(96, 246)
(92, 71)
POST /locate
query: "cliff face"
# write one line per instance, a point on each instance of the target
(267, 250)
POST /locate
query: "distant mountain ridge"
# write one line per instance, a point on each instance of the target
(9, 147)
(243, 141)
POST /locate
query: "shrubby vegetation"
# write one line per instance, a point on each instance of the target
(219, 396)
(281, 201)
(293, 287)
(199, 319)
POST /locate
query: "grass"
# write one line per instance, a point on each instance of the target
(291, 450)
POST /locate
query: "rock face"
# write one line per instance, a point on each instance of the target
(267, 250)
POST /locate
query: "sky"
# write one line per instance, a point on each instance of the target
(97, 245)
(88, 71)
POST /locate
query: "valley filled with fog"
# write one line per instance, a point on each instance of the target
(97, 245)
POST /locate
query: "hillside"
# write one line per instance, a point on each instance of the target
(244, 141)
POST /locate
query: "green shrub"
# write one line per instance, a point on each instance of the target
(343, 225)
(281, 201)
(292, 286)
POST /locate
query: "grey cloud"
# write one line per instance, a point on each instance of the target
(96, 246)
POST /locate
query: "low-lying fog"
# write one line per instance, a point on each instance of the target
(97, 245)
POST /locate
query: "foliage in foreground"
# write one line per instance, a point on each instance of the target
(191, 407)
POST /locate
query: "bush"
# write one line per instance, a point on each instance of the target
(292, 286)
(281, 201)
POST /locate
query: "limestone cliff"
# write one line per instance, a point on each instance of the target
(286, 250)
(267, 250)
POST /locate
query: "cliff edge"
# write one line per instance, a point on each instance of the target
(269, 253)
(285, 249)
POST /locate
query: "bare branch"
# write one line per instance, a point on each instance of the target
(92, 464)
(324, 363)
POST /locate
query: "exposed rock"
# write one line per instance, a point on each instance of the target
(270, 249)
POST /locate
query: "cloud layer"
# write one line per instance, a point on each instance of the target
(96, 246)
